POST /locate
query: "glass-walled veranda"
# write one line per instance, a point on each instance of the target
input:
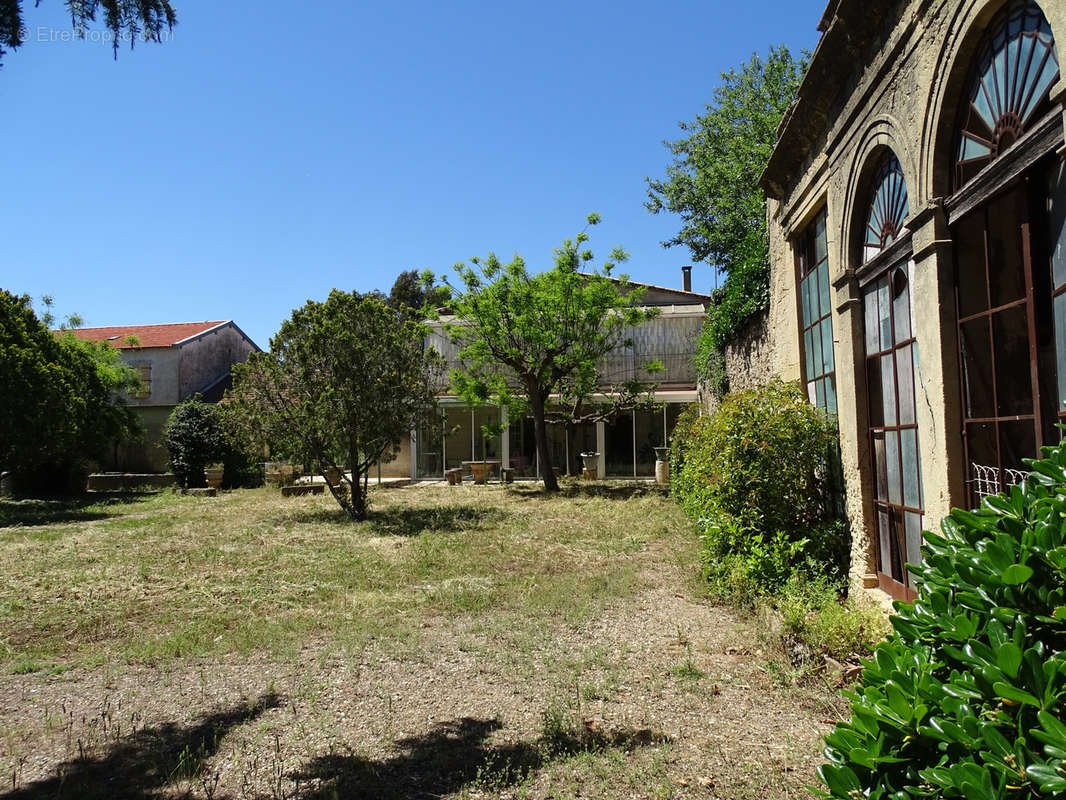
(626, 443)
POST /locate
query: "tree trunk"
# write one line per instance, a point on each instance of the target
(540, 433)
(359, 497)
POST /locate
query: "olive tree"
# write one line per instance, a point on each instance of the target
(344, 383)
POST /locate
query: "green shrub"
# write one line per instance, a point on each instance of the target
(966, 699)
(193, 437)
(813, 610)
(754, 475)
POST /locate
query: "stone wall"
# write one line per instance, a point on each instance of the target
(749, 360)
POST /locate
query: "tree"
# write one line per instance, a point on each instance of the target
(122, 18)
(60, 398)
(194, 439)
(713, 184)
(344, 383)
(523, 338)
(412, 292)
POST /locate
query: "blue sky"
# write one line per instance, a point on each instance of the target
(264, 155)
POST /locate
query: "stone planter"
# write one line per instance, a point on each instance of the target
(213, 474)
(591, 463)
(277, 473)
(662, 465)
(480, 471)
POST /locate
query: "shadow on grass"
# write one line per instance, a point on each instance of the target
(405, 521)
(621, 490)
(451, 756)
(80, 508)
(139, 766)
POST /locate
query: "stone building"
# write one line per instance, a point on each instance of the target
(175, 361)
(916, 204)
(626, 444)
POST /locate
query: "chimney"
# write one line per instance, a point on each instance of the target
(686, 278)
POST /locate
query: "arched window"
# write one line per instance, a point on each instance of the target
(888, 207)
(1008, 90)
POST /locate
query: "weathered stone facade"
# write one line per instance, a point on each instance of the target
(895, 79)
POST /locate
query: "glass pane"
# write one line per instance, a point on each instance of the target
(884, 536)
(901, 305)
(1017, 440)
(808, 355)
(909, 448)
(819, 238)
(883, 315)
(875, 390)
(649, 436)
(811, 393)
(888, 389)
(968, 239)
(870, 307)
(1060, 348)
(819, 394)
(981, 444)
(1057, 206)
(897, 543)
(905, 383)
(880, 466)
(1013, 374)
(457, 440)
(486, 447)
(824, 307)
(977, 368)
(895, 486)
(805, 301)
(430, 441)
(816, 352)
(523, 446)
(913, 523)
(618, 437)
(827, 345)
(1006, 272)
(830, 395)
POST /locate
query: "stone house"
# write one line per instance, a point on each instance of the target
(174, 361)
(625, 444)
(917, 215)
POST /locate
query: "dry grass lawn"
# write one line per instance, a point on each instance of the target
(466, 642)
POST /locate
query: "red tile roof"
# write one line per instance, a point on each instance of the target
(147, 335)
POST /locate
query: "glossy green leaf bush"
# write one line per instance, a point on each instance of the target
(966, 698)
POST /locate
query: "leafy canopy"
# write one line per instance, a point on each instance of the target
(344, 383)
(523, 337)
(712, 183)
(60, 398)
(123, 18)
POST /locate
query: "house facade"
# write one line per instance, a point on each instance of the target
(917, 214)
(625, 443)
(175, 362)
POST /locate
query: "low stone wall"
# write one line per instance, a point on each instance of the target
(128, 481)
